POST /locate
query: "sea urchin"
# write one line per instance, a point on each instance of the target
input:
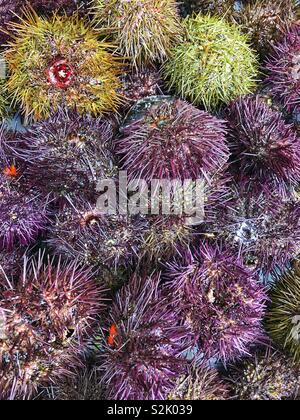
(48, 314)
(60, 62)
(213, 64)
(141, 350)
(144, 30)
(265, 149)
(284, 70)
(219, 298)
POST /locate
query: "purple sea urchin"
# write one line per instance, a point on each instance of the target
(284, 70)
(70, 154)
(14, 151)
(59, 62)
(22, 215)
(142, 346)
(144, 30)
(200, 383)
(268, 376)
(168, 233)
(139, 85)
(219, 298)
(266, 151)
(177, 140)
(82, 232)
(11, 263)
(262, 227)
(48, 314)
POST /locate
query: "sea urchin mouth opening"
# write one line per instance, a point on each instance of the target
(246, 233)
(89, 219)
(60, 73)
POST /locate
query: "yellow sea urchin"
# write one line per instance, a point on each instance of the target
(60, 62)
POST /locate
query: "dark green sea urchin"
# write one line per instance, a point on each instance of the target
(220, 8)
(202, 383)
(283, 316)
(214, 64)
(82, 386)
(144, 30)
(266, 21)
(269, 375)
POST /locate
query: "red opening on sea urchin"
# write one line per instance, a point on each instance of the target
(60, 73)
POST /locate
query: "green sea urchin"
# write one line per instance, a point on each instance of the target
(144, 30)
(213, 65)
(10, 10)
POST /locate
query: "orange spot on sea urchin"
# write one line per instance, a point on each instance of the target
(113, 331)
(11, 171)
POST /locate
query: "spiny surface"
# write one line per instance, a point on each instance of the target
(283, 320)
(59, 61)
(144, 30)
(48, 314)
(214, 64)
(265, 149)
(284, 70)
(219, 298)
(142, 346)
(268, 376)
(166, 138)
